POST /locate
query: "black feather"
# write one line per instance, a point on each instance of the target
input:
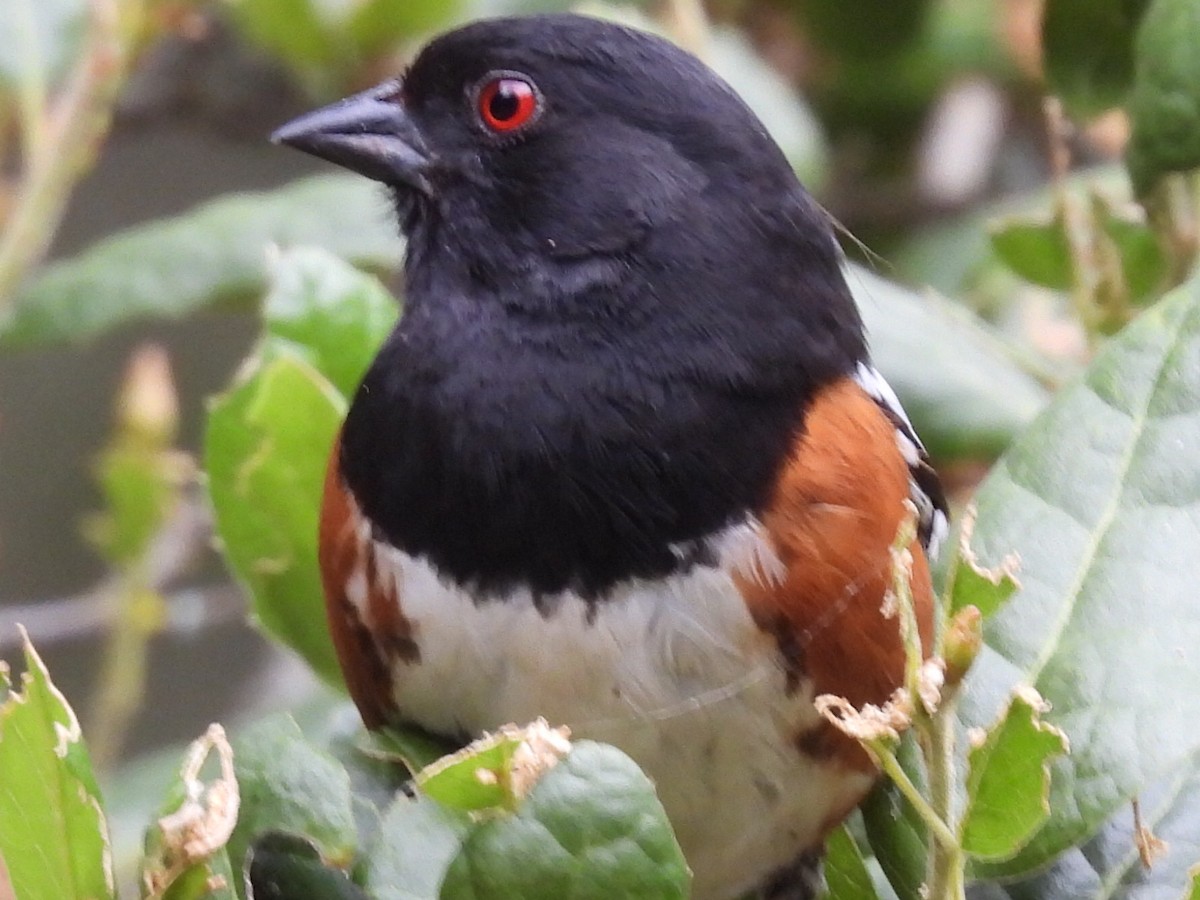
(613, 324)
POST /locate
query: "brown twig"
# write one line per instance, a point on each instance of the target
(1076, 222)
(1149, 846)
(86, 616)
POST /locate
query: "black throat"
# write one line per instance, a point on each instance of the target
(601, 428)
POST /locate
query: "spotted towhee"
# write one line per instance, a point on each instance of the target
(624, 462)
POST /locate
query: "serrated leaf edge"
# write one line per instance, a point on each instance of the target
(67, 735)
(206, 817)
(1008, 567)
(978, 739)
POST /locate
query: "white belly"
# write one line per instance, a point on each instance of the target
(674, 673)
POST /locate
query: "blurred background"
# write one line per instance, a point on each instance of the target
(913, 121)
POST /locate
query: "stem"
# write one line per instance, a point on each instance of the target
(122, 680)
(31, 98)
(943, 837)
(687, 22)
(1173, 209)
(138, 612)
(910, 632)
(63, 143)
(1077, 224)
(947, 862)
(934, 727)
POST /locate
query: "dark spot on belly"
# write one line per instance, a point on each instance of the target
(768, 790)
(791, 652)
(820, 742)
(401, 647)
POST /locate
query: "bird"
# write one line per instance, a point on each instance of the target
(624, 462)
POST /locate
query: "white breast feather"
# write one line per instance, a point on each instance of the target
(674, 672)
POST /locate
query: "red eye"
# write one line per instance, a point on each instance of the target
(505, 104)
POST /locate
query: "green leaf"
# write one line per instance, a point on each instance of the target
(279, 866)
(475, 778)
(1142, 259)
(1109, 866)
(374, 781)
(887, 69)
(1101, 500)
(269, 438)
(376, 26)
(1164, 108)
(289, 786)
(1008, 781)
(212, 255)
(1144, 266)
(408, 745)
(1036, 249)
(956, 380)
(301, 33)
(418, 839)
(957, 258)
(846, 875)
(132, 793)
(591, 829)
(331, 42)
(325, 716)
(42, 37)
(986, 588)
(265, 451)
(186, 857)
(212, 881)
(839, 27)
(1088, 51)
(495, 771)
(53, 834)
(329, 312)
(898, 836)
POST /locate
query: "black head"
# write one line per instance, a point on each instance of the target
(523, 144)
(618, 302)
(516, 117)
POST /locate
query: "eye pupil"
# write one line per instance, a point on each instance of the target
(507, 103)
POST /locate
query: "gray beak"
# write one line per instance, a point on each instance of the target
(369, 133)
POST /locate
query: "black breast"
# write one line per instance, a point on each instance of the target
(516, 450)
(567, 424)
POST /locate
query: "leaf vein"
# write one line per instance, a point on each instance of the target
(1108, 515)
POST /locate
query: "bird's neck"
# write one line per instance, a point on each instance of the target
(578, 441)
